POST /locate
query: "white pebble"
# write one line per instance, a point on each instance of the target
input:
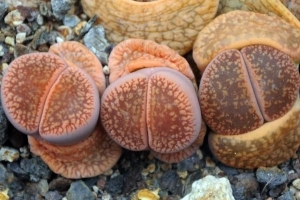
(20, 37)
(106, 70)
(14, 18)
(59, 39)
(296, 183)
(9, 154)
(10, 41)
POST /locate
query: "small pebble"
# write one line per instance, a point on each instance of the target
(53, 195)
(170, 181)
(24, 152)
(296, 183)
(146, 194)
(14, 18)
(286, 196)
(20, 37)
(3, 8)
(272, 176)
(79, 191)
(151, 168)
(43, 187)
(36, 168)
(17, 170)
(23, 28)
(9, 154)
(45, 9)
(211, 188)
(182, 174)
(60, 184)
(95, 41)
(61, 7)
(245, 186)
(209, 162)
(106, 70)
(77, 29)
(10, 41)
(115, 185)
(29, 13)
(40, 20)
(66, 32)
(71, 20)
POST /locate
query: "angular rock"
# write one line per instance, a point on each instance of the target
(211, 188)
(9, 154)
(245, 186)
(273, 176)
(115, 185)
(171, 182)
(79, 191)
(95, 41)
(36, 168)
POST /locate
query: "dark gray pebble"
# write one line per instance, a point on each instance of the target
(60, 184)
(16, 186)
(244, 186)
(79, 191)
(17, 170)
(36, 168)
(230, 171)
(190, 180)
(171, 182)
(53, 195)
(191, 164)
(275, 192)
(271, 176)
(95, 41)
(3, 8)
(3, 174)
(133, 179)
(286, 196)
(60, 8)
(115, 185)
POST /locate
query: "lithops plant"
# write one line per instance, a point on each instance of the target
(237, 29)
(173, 23)
(55, 101)
(151, 103)
(270, 7)
(249, 93)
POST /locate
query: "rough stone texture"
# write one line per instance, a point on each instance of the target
(53, 195)
(244, 186)
(171, 182)
(115, 184)
(17, 170)
(211, 188)
(272, 176)
(61, 7)
(95, 41)
(79, 191)
(286, 196)
(43, 187)
(36, 168)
